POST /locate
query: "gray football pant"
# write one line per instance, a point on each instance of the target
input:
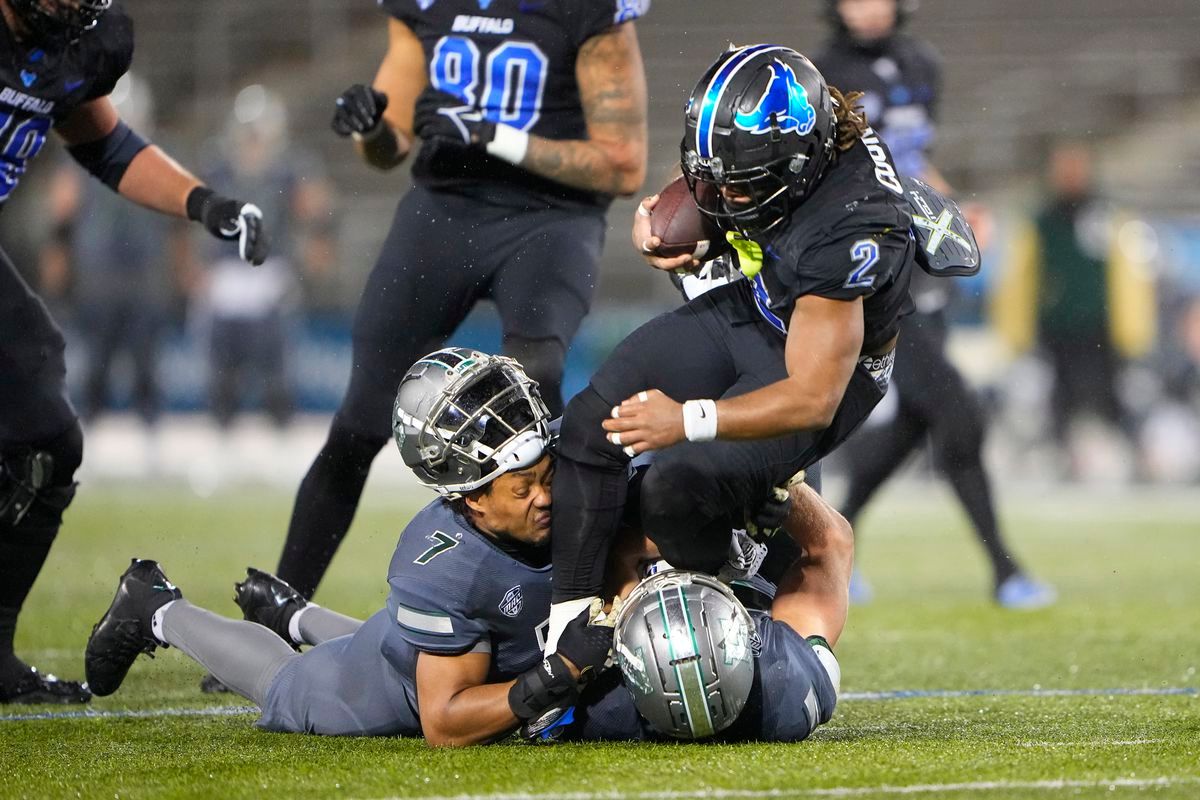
(244, 656)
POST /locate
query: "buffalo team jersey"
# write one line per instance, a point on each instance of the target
(514, 60)
(900, 78)
(39, 87)
(792, 695)
(452, 592)
(850, 238)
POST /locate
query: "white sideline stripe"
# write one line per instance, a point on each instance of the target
(903, 694)
(836, 791)
(1093, 743)
(130, 713)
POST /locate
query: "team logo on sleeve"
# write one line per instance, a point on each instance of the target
(512, 602)
(783, 103)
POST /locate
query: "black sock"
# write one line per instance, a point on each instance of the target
(970, 483)
(325, 507)
(23, 551)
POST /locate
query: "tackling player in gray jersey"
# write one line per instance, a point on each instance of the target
(463, 629)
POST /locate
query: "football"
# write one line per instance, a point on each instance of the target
(683, 230)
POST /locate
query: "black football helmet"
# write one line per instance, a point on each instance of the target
(59, 20)
(758, 134)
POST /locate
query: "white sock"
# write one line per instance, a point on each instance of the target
(156, 622)
(294, 625)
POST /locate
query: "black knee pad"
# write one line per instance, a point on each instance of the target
(543, 360)
(37, 479)
(581, 437)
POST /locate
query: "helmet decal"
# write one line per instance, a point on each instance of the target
(712, 97)
(784, 103)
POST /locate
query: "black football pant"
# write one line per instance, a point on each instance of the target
(694, 493)
(936, 405)
(35, 416)
(445, 253)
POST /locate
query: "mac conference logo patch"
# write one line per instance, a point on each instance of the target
(512, 602)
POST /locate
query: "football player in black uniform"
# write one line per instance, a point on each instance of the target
(900, 77)
(760, 378)
(61, 59)
(532, 116)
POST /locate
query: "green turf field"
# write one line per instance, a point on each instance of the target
(1127, 567)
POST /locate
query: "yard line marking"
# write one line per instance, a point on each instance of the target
(1093, 743)
(909, 694)
(130, 713)
(900, 694)
(837, 791)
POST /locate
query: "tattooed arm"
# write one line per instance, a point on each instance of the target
(612, 86)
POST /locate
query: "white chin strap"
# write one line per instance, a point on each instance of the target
(520, 452)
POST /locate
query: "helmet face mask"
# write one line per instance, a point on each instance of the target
(758, 133)
(54, 21)
(463, 418)
(686, 649)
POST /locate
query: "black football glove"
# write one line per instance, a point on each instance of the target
(359, 111)
(232, 220)
(441, 115)
(541, 694)
(588, 639)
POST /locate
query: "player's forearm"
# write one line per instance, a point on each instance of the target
(472, 716)
(616, 168)
(154, 180)
(384, 149)
(787, 406)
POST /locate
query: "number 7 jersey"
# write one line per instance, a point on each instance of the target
(40, 86)
(514, 60)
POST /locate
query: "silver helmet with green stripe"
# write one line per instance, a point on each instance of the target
(685, 646)
(462, 418)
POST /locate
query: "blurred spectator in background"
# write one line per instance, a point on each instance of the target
(246, 311)
(1077, 286)
(111, 258)
(930, 400)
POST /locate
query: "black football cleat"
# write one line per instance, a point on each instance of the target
(124, 631)
(269, 601)
(34, 687)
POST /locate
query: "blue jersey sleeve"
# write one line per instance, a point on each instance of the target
(428, 617)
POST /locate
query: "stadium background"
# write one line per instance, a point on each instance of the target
(946, 695)
(1018, 77)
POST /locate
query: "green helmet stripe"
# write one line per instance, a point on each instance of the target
(689, 679)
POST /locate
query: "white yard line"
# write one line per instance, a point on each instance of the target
(838, 791)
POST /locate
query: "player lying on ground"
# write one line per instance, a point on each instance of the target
(469, 582)
(743, 675)
(62, 59)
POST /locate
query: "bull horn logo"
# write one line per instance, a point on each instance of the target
(784, 103)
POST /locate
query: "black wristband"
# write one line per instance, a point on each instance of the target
(197, 200)
(539, 689)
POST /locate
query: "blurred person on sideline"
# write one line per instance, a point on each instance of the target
(900, 76)
(111, 259)
(247, 314)
(1078, 287)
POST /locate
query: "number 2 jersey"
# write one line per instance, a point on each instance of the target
(515, 61)
(41, 85)
(452, 591)
(850, 238)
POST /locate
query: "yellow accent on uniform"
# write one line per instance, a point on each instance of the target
(750, 255)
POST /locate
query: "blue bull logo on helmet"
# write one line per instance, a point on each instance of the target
(783, 103)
